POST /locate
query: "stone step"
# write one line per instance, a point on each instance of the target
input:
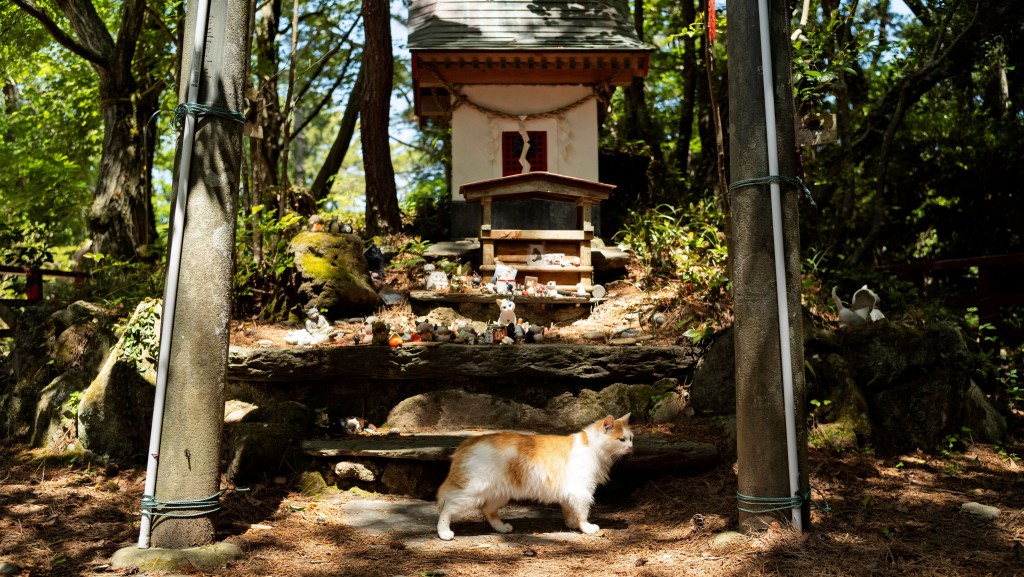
(582, 363)
(650, 454)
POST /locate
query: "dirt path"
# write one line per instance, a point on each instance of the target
(891, 516)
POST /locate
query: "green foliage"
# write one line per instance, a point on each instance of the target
(261, 256)
(27, 244)
(139, 338)
(69, 409)
(682, 243)
(409, 253)
(820, 53)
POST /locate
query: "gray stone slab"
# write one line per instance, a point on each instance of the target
(651, 454)
(453, 249)
(551, 361)
(414, 523)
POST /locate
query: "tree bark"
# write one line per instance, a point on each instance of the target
(382, 215)
(688, 99)
(121, 218)
(265, 151)
(640, 126)
(339, 148)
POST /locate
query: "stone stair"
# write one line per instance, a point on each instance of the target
(418, 462)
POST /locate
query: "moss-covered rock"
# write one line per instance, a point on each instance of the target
(331, 274)
(116, 410)
(57, 353)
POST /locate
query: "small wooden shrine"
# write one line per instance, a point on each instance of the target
(522, 83)
(561, 256)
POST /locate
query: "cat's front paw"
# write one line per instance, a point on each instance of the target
(503, 527)
(446, 535)
(589, 528)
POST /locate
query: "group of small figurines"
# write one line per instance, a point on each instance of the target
(437, 280)
(507, 330)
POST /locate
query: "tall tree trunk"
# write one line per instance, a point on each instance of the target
(638, 122)
(382, 216)
(189, 456)
(688, 100)
(121, 218)
(265, 151)
(339, 148)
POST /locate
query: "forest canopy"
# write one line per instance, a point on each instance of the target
(920, 105)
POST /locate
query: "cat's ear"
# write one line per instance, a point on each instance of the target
(624, 418)
(608, 423)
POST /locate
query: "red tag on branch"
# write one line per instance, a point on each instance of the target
(712, 20)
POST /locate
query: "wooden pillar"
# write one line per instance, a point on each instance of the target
(762, 458)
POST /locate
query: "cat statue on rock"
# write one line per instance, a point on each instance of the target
(490, 470)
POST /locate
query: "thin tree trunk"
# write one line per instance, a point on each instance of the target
(688, 102)
(289, 108)
(339, 148)
(382, 215)
(638, 122)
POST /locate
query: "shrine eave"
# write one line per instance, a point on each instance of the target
(432, 69)
(537, 185)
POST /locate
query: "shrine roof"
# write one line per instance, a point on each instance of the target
(537, 185)
(531, 25)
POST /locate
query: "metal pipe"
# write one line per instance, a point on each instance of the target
(780, 263)
(174, 265)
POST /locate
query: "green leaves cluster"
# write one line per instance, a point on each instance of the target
(684, 243)
(140, 343)
(261, 256)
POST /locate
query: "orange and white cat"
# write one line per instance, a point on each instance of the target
(490, 470)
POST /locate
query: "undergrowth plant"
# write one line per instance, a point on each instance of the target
(261, 256)
(686, 246)
(684, 243)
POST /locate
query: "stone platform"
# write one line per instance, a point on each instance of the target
(369, 380)
(416, 464)
(649, 453)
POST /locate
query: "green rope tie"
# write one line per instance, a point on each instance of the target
(795, 181)
(153, 508)
(772, 504)
(203, 110)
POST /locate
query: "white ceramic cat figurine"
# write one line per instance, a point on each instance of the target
(507, 316)
(490, 470)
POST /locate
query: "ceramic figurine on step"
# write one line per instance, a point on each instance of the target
(552, 290)
(508, 312)
(581, 289)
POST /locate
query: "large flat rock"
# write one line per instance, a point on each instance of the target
(650, 454)
(587, 363)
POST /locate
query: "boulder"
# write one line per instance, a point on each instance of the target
(75, 340)
(331, 274)
(608, 258)
(575, 412)
(985, 422)
(264, 441)
(713, 390)
(915, 380)
(458, 409)
(115, 413)
(257, 451)
(291, 413)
